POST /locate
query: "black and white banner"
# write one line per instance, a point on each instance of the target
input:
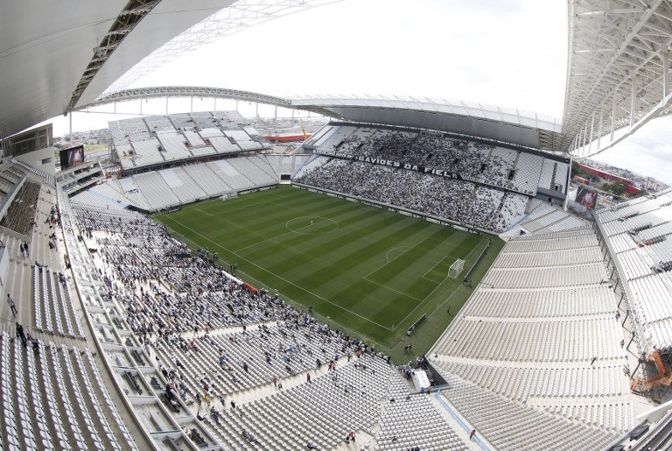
(394, 164)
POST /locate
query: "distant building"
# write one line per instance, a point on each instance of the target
(630, 185)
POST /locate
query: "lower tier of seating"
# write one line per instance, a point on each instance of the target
(53, 398)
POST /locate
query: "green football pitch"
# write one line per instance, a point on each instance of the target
(365, 270)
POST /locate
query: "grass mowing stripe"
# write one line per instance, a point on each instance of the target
(365, 275)
(288, 239)
(273, 274)
(358, 255)
(339, 240)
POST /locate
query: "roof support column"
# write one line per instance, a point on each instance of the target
(633, 100)
(613, 117)
(666, 72)
(586, 137)
(592, 130)
(599, 130)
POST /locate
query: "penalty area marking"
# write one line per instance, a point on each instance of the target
(314, 220)
(387, 254)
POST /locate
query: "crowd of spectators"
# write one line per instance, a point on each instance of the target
(474, 161)
(459, 201)
(187, 309)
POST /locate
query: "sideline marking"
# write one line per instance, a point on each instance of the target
(279, 277)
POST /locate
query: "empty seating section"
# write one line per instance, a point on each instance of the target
(556, 276)
(410, 421)
(154, 140)
(546, 218)
(181, 121)
(181, 183)
(129, 130)
(204, 119)
(102, 196)
(541, 331)
(158, 123)
(12, 178)
(510, 425)
(547, 173)
(51, 397)
(230, 174)
(194, 139)
(155, 190)
(321, 413)
(536, 384)
(528, 172)
(638, 234)
(550, 340)
(53, 307)
(128, 188)
(222, 144)
(210, 133)
(210, 183)
(173, 145)
(541, 258)
(566, 302)
(261, 162)
(463, 202)
(21, 211)
(147, 152)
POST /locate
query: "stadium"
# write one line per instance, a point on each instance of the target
(360, 273)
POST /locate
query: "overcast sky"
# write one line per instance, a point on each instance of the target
(509, 53)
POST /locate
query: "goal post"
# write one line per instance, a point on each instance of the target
(456, 268)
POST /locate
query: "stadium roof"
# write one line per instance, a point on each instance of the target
(501, 124)
(618, 73)
(54, 52)
(475, 119)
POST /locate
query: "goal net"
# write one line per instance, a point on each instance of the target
(456, 268)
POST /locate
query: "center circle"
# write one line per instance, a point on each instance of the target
(311, 225)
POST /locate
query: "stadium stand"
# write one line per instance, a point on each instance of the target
(253, 342)
(539, 341)
(436, 196)
(473, 161)
(53, 304)
(19, 215)
(154, 140)
(636, 236)
(410, 420)
(204, 353)
(169, 188)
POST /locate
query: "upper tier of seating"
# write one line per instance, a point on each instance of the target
(474, 161)
(152, 140)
